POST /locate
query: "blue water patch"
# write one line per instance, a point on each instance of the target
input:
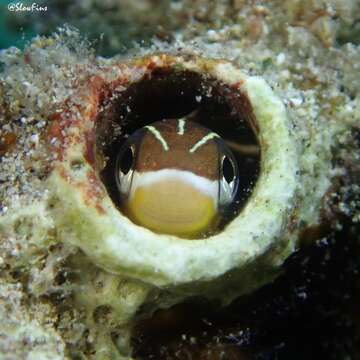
(15, 27)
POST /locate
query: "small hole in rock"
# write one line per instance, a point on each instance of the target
(175, 94)
(77, 164)
(102, 314)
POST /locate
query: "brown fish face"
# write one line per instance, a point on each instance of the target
(176, 177)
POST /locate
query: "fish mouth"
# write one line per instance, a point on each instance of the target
(172, 207)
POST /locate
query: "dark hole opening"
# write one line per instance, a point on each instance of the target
(170, 93)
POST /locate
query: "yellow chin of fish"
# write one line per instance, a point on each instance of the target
(172, 207)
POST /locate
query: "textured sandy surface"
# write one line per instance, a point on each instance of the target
(308, 51)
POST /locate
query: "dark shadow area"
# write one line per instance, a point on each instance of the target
(310, 312)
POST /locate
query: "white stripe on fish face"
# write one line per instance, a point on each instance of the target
(206, 186)
(203, 141)
(158, 136)
(181, 131)
(181, 127)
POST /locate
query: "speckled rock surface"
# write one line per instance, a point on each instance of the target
(54, 302)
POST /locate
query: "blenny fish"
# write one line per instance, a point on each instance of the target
(176, 177)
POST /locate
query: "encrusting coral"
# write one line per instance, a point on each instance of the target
(64, 303)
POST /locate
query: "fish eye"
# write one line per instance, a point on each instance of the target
(126, 160)
(124, 169)
(228, 169)
(229, 179)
